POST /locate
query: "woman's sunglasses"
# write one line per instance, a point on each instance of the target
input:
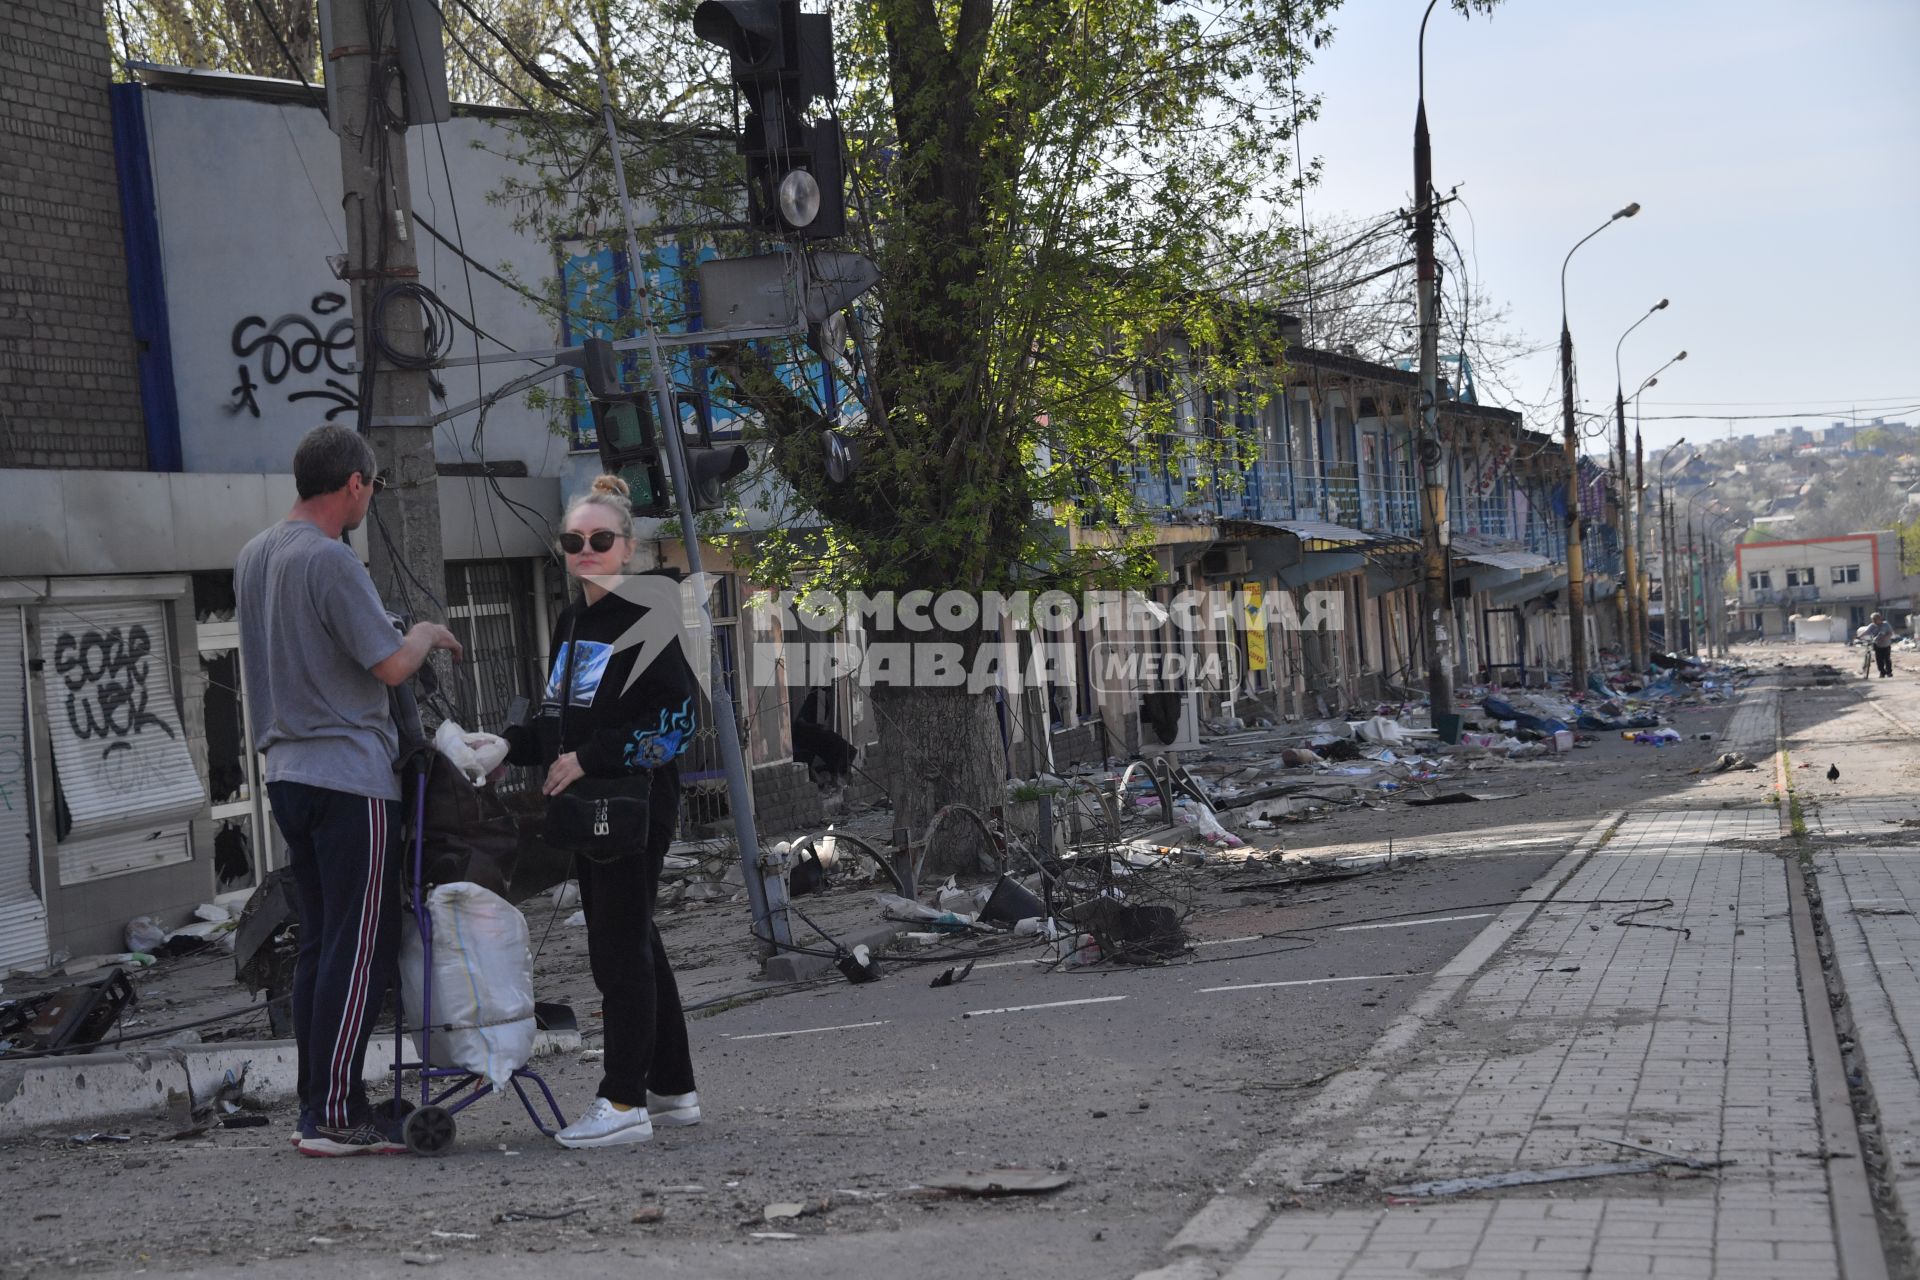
(600, 540)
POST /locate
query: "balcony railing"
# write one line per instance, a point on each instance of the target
(1167, 486)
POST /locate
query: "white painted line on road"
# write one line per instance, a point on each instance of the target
(1408, 924)
(1313, 982)
(810, 1031)
(1024, 1008)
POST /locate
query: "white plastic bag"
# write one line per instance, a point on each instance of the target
(474, 754)
(482, 981)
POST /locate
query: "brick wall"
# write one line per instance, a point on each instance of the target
(69, 394)
(785, 801)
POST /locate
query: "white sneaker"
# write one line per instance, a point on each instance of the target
(674, 1108)
(605, 1125)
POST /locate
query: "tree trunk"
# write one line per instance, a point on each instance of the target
(941, 747)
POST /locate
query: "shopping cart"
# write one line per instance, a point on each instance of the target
(428, 1127)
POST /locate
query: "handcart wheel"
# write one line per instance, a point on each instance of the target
(428, 1131)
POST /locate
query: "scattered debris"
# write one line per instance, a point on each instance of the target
(952, 976)
(648, 1214)
(1533, 1177)
(530, 1215)
(1000, 1182)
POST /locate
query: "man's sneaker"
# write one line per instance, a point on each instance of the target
(668, 1109)
(605, 1125)
(366, 1140)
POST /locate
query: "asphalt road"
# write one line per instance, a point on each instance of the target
(1151, 1088)
(1148, 1086)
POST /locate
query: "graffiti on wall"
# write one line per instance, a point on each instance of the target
(296, 346)
(105, 674)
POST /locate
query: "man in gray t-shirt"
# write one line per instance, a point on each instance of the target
(319, 653)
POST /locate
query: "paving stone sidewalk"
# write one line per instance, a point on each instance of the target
(1866, 857)
(1607, 1018)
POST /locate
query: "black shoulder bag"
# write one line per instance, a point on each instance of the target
(604, 819)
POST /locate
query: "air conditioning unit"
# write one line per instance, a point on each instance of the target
(1228, 561)
(1176, 711)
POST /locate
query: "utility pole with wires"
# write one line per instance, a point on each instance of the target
(366, 68)
(1435, 582)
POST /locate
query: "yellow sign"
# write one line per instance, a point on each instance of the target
(1256, 629)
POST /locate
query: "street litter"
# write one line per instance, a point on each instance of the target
(101, 1137)
(1533, 1177)
(530, 1215)
(67, 1020)
(952, 976)
(999, 1182)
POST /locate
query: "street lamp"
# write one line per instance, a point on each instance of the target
(1636, 625)
(1695, 603)
(1576, 565)
(1640, 585)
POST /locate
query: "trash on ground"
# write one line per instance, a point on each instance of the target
(999, 1182)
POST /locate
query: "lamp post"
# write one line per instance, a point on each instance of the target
(1576, 564)
(1636, 628)
(1669, 582)
(1696, 604)
(1641, 584)
(1717, 622)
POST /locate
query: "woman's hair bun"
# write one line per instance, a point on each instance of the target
(611, 484)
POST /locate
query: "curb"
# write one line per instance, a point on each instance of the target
(95, 1087)
(1228, 1221)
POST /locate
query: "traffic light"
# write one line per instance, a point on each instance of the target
(782, 60)
(624, 425)
(708, 472)
(708, 467)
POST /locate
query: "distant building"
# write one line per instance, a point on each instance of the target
(1848, 576)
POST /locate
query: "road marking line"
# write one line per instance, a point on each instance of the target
(1024, 1008)
(1314, 982)
(1408, 924)
(810, 1031)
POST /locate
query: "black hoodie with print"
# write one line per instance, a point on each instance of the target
(613, 727)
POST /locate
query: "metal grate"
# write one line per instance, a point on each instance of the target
(488, 608)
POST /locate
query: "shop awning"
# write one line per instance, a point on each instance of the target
(1493, 554)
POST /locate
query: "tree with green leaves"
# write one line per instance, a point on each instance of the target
(281, 39)
(1079, 216)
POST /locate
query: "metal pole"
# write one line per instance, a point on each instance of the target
(407, 561)
(1629, 496)
(766, 897)
(1435, 589)
(1576, 561)
(1638, 582)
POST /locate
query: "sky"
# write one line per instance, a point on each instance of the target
(1774, 149)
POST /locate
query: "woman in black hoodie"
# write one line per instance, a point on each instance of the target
(620, 723)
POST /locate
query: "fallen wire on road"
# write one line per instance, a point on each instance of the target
(1625, 920)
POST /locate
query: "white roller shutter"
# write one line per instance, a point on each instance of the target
(116, 854)
(23, 917)
(118, 744)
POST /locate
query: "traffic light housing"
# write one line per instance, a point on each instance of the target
(782, 59)
(708, 472)
(709, 467)
(629, 449)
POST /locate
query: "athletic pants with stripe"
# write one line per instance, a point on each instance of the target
(344, 853)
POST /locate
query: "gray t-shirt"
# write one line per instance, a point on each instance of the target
(311, 627)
